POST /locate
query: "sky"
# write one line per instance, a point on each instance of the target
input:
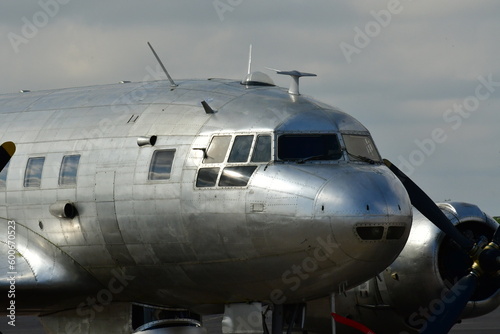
(422, 76)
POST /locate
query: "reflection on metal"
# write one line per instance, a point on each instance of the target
(146, 141)
(236, 176)
(234, 313)
(202, 149)
(63, 209)
(169, 326)
(107, 218)
(249, 60)
(257, 79)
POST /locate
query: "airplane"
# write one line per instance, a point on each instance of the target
(139, 207)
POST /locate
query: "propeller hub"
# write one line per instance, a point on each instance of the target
(487, 262)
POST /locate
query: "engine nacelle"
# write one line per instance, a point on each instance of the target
(410, 292)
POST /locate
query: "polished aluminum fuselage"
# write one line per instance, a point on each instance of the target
(287, 236)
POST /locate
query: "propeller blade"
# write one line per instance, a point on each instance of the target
(454, 302)
(429, 209)
(7, 150)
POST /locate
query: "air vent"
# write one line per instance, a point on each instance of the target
(370, 232)
(395, 232)
(146, 141)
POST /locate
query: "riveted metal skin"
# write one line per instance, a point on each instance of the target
(288, 235)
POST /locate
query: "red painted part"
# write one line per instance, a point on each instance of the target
(348, 322)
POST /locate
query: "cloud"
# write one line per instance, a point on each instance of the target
(427, 58)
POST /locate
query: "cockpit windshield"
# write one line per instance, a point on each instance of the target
(303, 147)
(361, 147)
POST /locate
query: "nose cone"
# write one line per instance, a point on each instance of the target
(369, 210)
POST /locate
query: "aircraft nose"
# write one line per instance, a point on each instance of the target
(369, 211)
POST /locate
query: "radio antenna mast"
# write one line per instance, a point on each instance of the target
(250, 60)
(172, 83)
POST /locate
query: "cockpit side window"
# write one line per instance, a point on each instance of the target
(236, 176)
(361, 147)
(241, 149)
(262, 149)
(299, 147)
(217, 150)
(231, 160)
(207, 177)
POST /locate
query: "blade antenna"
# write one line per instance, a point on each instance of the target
(172, 83)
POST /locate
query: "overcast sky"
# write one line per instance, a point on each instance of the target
(422, 76)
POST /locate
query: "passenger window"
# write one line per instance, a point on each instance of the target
(161, 165)
(262, 149)
(236, 176)
(241, 149)
(3, 176)
(217, 150)
(69, 169)
(207, 177)
(33, 174)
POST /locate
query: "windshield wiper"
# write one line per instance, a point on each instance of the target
(362, 158)
(314, 157)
